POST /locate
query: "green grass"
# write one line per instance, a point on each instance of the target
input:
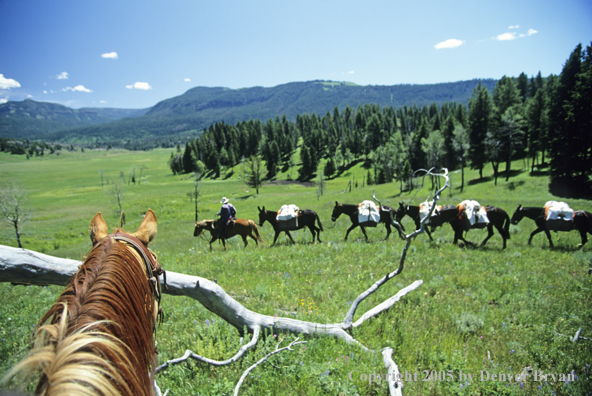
(478, 309)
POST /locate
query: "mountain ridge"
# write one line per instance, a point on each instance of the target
(199, 107)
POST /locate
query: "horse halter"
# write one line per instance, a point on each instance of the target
(153, 268)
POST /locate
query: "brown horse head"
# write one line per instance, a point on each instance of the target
(102, 324)
(204, 225)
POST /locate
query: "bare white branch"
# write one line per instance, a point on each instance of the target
(393, 373)
(189, 354)
(385, 305)
(242, 378)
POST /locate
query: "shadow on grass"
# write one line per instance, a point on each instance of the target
(245, 197)
(481, 180)
(539, 173)
(512, 185)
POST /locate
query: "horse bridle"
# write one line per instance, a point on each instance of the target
(153, 268)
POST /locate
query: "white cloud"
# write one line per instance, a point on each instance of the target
(102, 101)
(110, 55)
(450, 43)
(7, 83)
(78, 88)
(514, 27)
(513, 35)
(187, 80)
(350, 72)
(45, 92)
(506, 36)
(139, 85)
(62, 76)
(3, 100)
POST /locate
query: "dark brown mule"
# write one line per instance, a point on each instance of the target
(498, 218)
(386, 218)
(98, 339)
(582, 222)
(413, 212)
(243, 227)
(306, 218)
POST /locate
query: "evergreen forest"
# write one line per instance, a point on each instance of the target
(546, 121)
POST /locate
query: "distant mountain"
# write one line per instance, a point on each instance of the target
(33, 120)
(198, 108)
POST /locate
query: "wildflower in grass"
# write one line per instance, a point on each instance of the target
(207, 322)
(512, 351)
(521, 385)
(461, 386)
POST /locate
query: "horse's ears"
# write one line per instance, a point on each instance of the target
(147, 229)
(336, 203)
(258, 208)
(264, 208)
(519, 206)
(98, 228)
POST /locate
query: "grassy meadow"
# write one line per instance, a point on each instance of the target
(479, 309)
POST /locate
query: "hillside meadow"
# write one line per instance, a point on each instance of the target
(480, 311)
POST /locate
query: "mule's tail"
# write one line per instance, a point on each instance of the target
(319, 221)
(256, 230)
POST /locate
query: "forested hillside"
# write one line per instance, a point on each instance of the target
(35, 120)
(176, 119)
(520, 118)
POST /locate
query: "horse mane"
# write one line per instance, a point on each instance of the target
(98, 336)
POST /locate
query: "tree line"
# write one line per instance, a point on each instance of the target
(32, 148)
(530, 118)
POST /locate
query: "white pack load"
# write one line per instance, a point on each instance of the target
(287, 212)
(558, 211)
(476, 214)
(424, 210)
(368, 214)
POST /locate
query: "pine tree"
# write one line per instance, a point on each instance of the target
(480, 113)
(571, 120)
(188, 159)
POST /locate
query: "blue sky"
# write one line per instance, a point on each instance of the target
(133, 54)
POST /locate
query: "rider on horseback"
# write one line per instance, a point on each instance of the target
(227, 214)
